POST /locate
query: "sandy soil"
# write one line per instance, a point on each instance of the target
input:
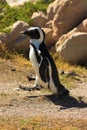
(17, 102)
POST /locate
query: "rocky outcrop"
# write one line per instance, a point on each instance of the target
(74, 49)
(48, 37)
(13, 40)
(66, 14)
(62, 16)
(18, 42)
(73, 46)
(80, 28)
(39, 19)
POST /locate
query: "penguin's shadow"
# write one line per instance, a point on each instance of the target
(65, 101)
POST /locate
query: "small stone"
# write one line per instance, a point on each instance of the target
(61, 72)
(13, 69)
(71, 73)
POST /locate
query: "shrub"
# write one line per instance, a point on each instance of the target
(10, 15)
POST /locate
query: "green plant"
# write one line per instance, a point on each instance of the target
(7, 30)
(23, 13)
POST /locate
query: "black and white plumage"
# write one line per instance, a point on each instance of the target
(43, 64)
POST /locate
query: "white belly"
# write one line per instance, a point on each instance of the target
(33, 59)
(35, 65)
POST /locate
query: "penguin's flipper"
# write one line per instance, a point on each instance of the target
(44, 69)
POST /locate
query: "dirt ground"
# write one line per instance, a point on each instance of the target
(15, 102)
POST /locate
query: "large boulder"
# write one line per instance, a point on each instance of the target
(72, 46)
(21, 45)
(18, 42)
(17, 28)
(39, 19)
(14, 40)
(48, 37)
(53, 8)
(80, 28)
(66, 14)
(74, 49)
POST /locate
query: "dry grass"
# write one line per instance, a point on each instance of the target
(21, 61)
(3, 51)
(62, 65)
(41, 123)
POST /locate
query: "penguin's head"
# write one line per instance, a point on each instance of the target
(36, 34)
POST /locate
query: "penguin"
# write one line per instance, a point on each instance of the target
(43, 63)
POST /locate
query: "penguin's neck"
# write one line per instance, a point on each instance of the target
(36, 43)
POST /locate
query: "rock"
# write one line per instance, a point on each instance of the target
(49, 24)
(74, 48)
(80, 28)
(4, 38)
(39, 19)
(3, 1)
(14, 40)
(52, 8)
(69, 39)
(13, 69)
(21, 45)
(61, 72)
(66, 14)
(17, 28)
(71, 73)
(48, 37)
(18, 42)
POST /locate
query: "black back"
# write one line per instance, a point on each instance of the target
(45, 53)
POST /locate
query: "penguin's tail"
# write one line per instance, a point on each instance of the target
(63, 91)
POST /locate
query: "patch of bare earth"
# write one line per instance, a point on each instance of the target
(67, 111)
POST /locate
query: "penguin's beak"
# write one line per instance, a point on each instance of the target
(24, 32)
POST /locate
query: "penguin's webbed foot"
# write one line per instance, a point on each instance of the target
(35, 87)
